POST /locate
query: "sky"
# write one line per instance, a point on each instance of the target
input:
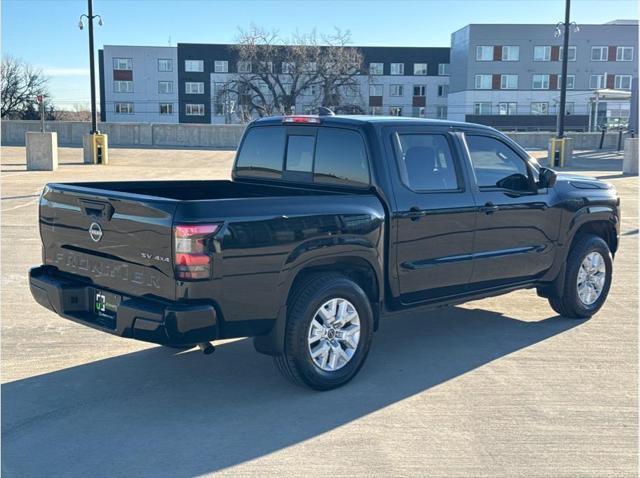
(45, 32)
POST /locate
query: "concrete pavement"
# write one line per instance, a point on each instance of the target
(497, 387)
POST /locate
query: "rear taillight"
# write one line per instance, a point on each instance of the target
(193, 250)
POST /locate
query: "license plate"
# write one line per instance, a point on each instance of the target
(105, 303)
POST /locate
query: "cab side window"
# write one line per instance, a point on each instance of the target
(426, 163)
(496, 165)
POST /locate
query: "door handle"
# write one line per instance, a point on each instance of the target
(489, 208)
(415, 213)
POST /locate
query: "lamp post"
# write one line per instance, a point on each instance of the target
(90, 16)
(565, 58)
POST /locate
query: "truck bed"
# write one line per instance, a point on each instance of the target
(199, 190)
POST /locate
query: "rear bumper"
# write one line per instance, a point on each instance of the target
(168, 323)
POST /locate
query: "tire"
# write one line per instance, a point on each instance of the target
(330, 292)
(570, 304)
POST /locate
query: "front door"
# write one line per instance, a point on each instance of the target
(516, 230)
(435, 216)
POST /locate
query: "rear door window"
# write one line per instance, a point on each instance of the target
(262, 153)
(341, 158)
(426, 162)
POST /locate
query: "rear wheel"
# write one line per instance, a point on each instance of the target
(587, 279)
(329, 332)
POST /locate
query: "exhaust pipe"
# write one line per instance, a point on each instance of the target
(207, 348)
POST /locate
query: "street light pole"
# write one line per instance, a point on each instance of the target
(565, 60)
(92, 68)
(94, 113)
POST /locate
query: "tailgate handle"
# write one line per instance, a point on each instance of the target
(97, 209)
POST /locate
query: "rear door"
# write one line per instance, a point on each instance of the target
(435, 216)
(115, 240)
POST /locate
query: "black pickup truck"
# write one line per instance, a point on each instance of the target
(328, 224)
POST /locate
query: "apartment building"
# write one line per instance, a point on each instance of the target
(509, 76)
(138, 84)
(185, 84)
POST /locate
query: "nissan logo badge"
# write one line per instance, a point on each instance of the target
(95, 231)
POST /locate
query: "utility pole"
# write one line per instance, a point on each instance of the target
(558, 156)
(92, 67)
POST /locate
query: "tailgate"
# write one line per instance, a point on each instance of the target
(116, 240)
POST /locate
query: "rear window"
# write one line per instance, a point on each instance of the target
(262, 153)
(331, 156)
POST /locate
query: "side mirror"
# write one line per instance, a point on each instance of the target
(547, 178)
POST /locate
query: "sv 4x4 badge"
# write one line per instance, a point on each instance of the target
(152, 257)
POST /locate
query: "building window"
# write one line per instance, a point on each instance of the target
(505, 109)
(122, 64)
(396, 90)
(441, 112)
(418, 111)
(483, 108)
(483, 82)
(310, 67)
(165, 64)
(419, 90)
(397, 69)
(375, 90)
(166, 108)
(165, 87)
(395, 110)
(572, 53)
(194, 110)
(311, 90)
(123, 86)
(510, 53)
(376, 68)
(194, 87)
(541, 53)
(420, 69)
(375, 110)
(443, 90)
(351, 91)
(509, 82)
(288, 67)
(596, 82)
(221, 66)
(571, 82)
(244, 67)
(443, 69)
(194, 65)
(540, 82)
(622, 82)
(484, 53)
(599, 53)
(539, 108)
(266, 66)
(124, 108)
(624, 53)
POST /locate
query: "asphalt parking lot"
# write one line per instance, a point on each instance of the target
(497, 387)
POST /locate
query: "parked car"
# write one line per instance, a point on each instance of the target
(328, 224)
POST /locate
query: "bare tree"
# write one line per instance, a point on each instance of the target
(275, 73)
(20, 83)
(338, 71)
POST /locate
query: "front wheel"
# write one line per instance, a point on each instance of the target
(587, 279)
(328, 334)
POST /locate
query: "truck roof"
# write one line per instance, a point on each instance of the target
(376, 120)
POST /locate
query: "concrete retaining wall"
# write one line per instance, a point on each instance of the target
(223, 136)
(581, 141)
(131, 134)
